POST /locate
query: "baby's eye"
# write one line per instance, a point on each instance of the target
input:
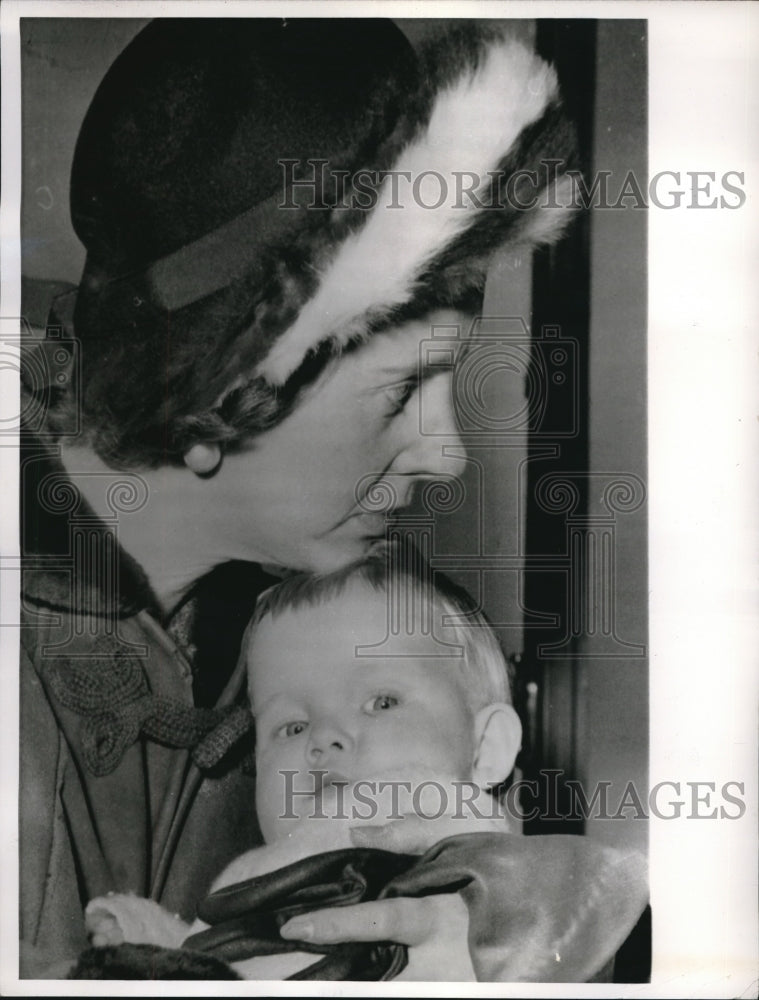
(381, 703)
(291, 729)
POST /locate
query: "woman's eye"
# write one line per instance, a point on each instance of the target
(400, 394)
(291, 729)
(381, 703)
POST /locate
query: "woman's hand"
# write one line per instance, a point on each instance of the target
(434, 927)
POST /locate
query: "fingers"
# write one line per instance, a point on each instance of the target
(404, 920)
(410, 835)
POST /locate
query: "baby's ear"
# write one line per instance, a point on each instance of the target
(498, 738)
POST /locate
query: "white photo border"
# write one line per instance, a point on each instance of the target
(703, 430)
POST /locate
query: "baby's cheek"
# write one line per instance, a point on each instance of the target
(268, 781)
(284, 792)
(274, 760)
(407, 734)
(438, 743)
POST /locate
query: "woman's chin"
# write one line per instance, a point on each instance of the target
(330, 556)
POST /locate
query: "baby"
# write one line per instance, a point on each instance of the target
(376, 696)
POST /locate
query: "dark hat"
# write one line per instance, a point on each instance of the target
(186, 129)
(210, 263)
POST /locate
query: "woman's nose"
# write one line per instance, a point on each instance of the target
(432, 444)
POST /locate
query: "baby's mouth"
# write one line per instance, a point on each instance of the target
(327, 780)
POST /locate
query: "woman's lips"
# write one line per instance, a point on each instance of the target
(374, 524)
(370, 525)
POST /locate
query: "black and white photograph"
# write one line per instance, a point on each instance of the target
(379, 572)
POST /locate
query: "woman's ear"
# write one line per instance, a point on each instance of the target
(203, 458)
(498, 738)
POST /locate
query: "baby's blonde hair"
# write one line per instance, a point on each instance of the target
(486, 675)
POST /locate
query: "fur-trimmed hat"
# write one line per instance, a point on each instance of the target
(254, 195)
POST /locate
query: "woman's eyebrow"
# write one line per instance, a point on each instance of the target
(421, 370)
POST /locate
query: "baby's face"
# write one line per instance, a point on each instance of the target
(400, 713)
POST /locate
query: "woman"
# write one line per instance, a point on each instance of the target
(276, 214)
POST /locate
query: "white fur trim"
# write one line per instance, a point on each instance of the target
(546, 223)
(474, 122)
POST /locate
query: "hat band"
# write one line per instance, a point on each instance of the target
(220, 257)
(206, 265)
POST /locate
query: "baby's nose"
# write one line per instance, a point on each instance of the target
(328, 740)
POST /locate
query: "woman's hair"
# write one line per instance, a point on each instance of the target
(156, 394)
(449, 608)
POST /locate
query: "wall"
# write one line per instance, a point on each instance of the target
(63, 61)
(613, 727)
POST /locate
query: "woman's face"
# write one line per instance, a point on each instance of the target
(377, 421)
